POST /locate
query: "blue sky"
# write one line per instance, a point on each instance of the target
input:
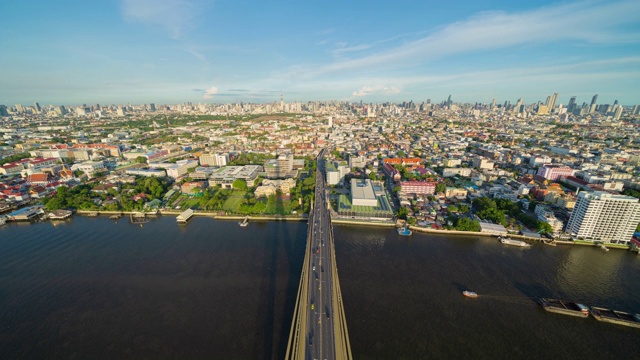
(172, 51)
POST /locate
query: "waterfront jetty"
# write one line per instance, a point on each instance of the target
(60, 214)
(26, 214)
(185, 216)
(138, 219)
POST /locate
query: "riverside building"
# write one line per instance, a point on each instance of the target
(600, 216)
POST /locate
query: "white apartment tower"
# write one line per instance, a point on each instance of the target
(600, 216)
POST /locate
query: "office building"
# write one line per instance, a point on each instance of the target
(553, 172)
(418, 187)
(280, 168)
(214, 159)
(600, 216)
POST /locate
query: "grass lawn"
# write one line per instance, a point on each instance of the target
(233, 202)
(279, 206)
(191, 202)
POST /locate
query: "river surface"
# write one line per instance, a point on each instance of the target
(92, 288)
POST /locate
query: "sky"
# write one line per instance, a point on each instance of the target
(174, 51)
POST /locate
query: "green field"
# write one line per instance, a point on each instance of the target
(234, 201)
(280, 206)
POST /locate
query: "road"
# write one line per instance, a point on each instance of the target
(320, 340)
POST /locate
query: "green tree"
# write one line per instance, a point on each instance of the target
(544, 227)
(466, 224)
(402, 213)
(141, 160)
(239, 184)
(441, 187)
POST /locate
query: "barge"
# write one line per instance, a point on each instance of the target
(564, 307)
(616, 317)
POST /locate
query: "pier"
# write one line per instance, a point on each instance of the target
(185, 216)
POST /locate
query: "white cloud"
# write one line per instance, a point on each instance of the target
(578, 22)
(377, 89)
(174, 16)
(209, 93)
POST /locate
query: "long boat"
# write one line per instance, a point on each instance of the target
(564, 307)
(616, 317)
(245, 222)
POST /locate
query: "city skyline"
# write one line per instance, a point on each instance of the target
(136, 51)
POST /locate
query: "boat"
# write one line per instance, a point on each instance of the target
(2, 221)
(115, 216)
(92, 213)
(139, 214)
(508, 241)
(601, 246)
(404, 231)
(470, 294)
(245, 222)
(564, 307)
(616, 317)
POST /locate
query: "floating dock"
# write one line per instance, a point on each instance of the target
(26, 214)
(185, 216)
(60, 214)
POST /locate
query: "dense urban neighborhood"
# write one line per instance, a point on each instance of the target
(538, 170)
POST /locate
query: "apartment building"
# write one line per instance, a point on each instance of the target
(600, 216)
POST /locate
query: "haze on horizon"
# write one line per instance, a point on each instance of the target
(140, 51)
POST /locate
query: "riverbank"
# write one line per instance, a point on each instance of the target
(217, 216)
(213, 215)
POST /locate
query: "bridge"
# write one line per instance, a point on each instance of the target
(319, 327)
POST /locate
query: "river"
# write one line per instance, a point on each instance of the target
(99, 289)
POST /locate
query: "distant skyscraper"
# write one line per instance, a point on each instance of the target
(152, 107)
(19, 108)
(449, 101)
(4, 112)
(281, 103)
(618, 113)
(37, 107)
(636, 110)
(552, 103)
(594, 99)
(572, 104)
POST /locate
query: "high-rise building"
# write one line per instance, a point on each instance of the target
(19, 108)
(594, 99)
(636, 110)
(552, 102)
(618, 113)
(152, 107)
(37, 107)
(3, 111)
(572, 104)
(600, 216)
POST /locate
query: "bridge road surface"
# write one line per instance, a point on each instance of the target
(320, 328)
